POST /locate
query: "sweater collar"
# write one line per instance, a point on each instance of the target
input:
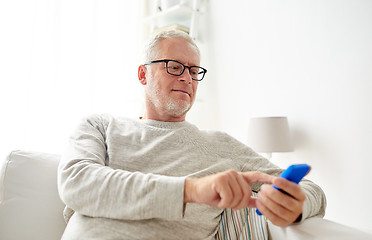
(165, 125)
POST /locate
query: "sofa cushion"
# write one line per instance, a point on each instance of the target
(30, 207)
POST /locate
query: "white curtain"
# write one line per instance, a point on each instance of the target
(61, 60)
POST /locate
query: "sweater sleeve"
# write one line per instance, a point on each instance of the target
(315, 203)
(88, 186)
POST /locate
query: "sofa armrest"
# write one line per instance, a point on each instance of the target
(316, 228)
(30, 207)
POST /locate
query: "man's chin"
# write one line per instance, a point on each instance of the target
(178, 108)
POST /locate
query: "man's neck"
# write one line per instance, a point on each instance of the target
(163, 117)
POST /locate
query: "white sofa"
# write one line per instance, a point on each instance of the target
(30, 207)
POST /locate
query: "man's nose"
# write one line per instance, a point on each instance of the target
(186, 77)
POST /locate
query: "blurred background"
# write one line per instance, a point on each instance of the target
(308, 60)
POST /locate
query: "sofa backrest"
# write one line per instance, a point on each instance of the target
(30, 207)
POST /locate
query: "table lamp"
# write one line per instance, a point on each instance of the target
(269, 134)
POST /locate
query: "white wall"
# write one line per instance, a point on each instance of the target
(61, 60)
(310, 61)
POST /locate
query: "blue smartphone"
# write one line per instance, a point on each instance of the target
(293, 173)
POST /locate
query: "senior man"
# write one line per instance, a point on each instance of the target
(160, 177)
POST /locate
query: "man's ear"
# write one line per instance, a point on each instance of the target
(142, 74)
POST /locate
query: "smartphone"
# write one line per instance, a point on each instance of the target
(293, 173)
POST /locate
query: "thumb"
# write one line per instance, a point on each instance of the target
(252, 202)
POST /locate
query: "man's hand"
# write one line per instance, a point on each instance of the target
(229, 189)
(280, 208)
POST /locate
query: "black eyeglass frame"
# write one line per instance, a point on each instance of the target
(183, 69)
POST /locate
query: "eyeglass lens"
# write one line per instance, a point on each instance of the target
(177, 68)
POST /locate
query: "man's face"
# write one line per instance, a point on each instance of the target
(167, 95)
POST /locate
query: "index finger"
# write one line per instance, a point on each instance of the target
(258, 177)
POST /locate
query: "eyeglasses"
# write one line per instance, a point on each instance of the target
(176, 68)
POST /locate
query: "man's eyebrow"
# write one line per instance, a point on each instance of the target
(192, 64)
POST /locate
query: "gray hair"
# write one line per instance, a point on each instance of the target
(151, 50)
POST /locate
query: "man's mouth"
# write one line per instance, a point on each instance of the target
(181, 91)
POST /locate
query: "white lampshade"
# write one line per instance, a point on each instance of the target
(270, 134)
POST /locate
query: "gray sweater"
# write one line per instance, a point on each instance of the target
(124, 178)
